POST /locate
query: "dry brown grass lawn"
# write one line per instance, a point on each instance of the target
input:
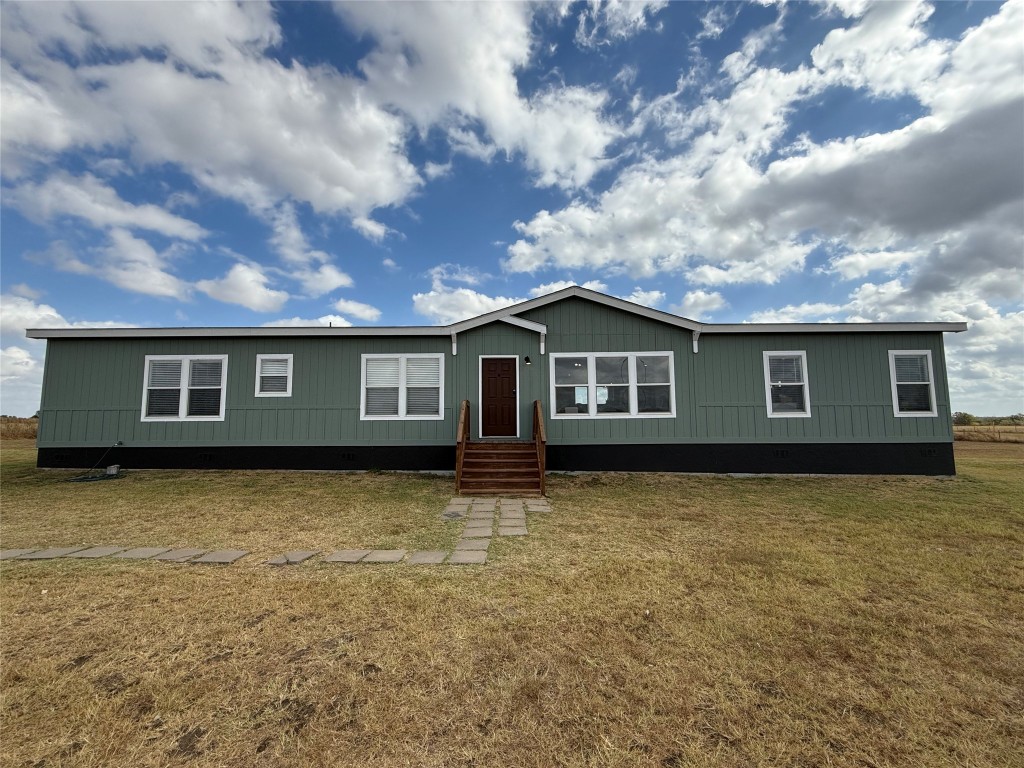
(647, 621)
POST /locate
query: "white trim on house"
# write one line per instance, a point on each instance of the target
(184, 387)
(480, 396)
(501, 314)
(767, 355)
(259, 378)
(592, 386)
(403, 359)
(894, 385)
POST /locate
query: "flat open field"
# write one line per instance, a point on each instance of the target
(991, 433)
(646, 621)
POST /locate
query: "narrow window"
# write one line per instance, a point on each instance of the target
(571, 385)
(654, 384)
(273, 375)
(163, 394)
(184, 387)
(612, 384)
(403, 386)
(913, 386)
(786, 388)
(382, 386)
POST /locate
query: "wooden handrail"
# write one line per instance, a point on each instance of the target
(540, 440)
(461, 438)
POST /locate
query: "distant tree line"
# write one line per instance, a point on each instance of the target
(964, 419)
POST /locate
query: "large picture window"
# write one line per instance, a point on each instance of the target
(184, 388)
(785, 383)
(612, 385)
(913, 385)
(402, 386)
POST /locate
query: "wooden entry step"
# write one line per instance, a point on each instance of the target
(492, 468)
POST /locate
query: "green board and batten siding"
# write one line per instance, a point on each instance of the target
(92, 389)
(107, 375)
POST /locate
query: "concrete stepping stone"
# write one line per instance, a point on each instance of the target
(10, 554)
(347, 556)
(142, 553)
(384, 556)
(452, 515)
(97, 552)
(179, 555)
(292, 558)
(488, 516)
(50, 554)
(426, 557)
(477, 533)
(518, 519)
(462, 557)
(222, 556)
(473, 545)
(510, 531)
(485, 524)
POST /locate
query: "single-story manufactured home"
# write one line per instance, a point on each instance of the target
(577, 379)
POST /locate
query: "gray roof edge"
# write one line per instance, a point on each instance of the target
(149, 333)
(910, 327)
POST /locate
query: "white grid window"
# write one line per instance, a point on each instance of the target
(402, 386)
(913, 382)
(273, 375)
(612, 385)
(184, 387)
(787, 392)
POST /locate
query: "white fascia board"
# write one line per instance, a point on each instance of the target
(527, 324)
(834, 327)
(179, 333)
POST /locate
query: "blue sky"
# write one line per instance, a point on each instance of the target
(417, 163)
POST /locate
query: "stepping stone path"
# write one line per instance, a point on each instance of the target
(471, 548)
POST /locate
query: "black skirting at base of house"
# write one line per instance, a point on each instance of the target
(337, 457)
(754, 458)
(758, 458)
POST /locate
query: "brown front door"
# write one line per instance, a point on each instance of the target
(499, 403)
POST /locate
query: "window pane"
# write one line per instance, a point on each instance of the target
(654, 399)
(615, 401)
(204, 373)
(912, 368)
(651, 370)
(382, 401)
(570, 400)
(382, 372)
(570, 370)
(274, 367)
(273, 384)
(612, 370)
(163, 402)
(423, 401)
(165, 373)
(787, 370)
(423, 372)
(788, 399)
(914, 398)
(204, 402)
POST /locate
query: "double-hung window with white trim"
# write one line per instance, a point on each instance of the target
(407, 386)
(273, 375)
(913, 382)
(184, 387)
(612, 385)
(786, 389)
